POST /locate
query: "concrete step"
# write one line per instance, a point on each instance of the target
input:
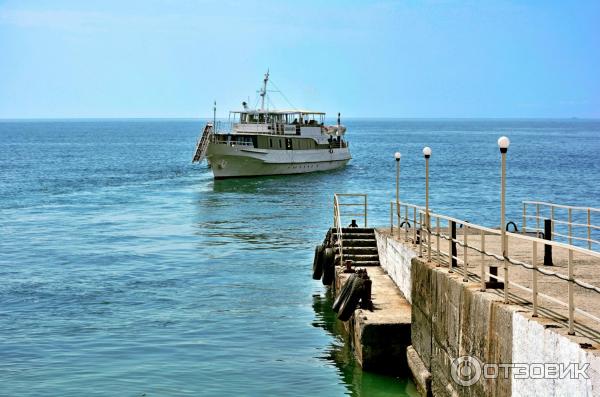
(361, 258)
(358, 235)
(365, 263)
(360, 250)
(360, 243)
(355, 230)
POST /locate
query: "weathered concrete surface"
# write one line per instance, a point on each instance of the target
(552, 345)
(454, 319)
(380, 337)
(421, 375)
(395, 258)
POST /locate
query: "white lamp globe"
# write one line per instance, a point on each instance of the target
(503, 142)
(426, 151)
(397, 155)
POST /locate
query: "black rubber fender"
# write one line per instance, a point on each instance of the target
(349, 304)
(318, 262)
(328, 268)
(346, 289)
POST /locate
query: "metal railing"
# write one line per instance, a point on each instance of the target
(337, 216)
(569, 223)
(490, 259)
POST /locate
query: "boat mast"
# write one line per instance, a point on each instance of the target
(263, 92)
(215, 116)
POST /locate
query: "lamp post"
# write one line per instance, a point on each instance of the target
(503, 143)
(397, 156)
(427, 154)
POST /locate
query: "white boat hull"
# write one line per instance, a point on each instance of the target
(244, 161)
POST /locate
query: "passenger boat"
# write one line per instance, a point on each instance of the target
(272, 142)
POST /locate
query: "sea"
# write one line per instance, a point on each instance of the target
(127, 270)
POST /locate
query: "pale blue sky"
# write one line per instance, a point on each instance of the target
(160, 58)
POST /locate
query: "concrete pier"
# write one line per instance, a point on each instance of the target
(437, 314)
(452, 319)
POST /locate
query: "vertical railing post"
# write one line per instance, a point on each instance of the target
(482, 260)
(334, 217)
(406, 222)
(589, 228)
(571, 299)
(450, 247)
(465, 252)
(552, 219)
(366, 206)
(524, 225)
(392, 218)
(534, 279)
(420, 234)
(537, 216)
(570, 227)
(437, 227)
(414, 225)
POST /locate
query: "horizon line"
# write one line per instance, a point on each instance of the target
(133, 118)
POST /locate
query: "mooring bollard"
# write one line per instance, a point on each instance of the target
(547, 247)
(348, 264)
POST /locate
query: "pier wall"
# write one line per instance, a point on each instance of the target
(395, 258)
(451, 318)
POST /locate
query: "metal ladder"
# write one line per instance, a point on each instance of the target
(202, 143)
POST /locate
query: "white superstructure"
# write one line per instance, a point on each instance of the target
(272, 142)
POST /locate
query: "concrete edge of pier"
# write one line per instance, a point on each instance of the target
(380, 336)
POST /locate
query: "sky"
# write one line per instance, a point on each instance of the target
(413, 59)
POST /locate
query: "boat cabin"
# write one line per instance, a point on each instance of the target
(278, 122)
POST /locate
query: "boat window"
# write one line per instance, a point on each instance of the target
(270, 142)
(279, 143)
(288, 144)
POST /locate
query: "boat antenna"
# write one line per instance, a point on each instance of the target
(263, 91)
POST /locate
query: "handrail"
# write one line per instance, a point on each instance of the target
(561, 205)
(480, 247)
(569, 223)
(337, 217)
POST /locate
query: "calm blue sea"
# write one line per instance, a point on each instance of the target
(126, 270)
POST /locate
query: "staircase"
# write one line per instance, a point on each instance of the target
(202, 143)
(359, 245)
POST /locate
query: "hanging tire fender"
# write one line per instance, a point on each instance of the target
(349, 304)
(318, 262)
(328, 268)
(346, 289)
